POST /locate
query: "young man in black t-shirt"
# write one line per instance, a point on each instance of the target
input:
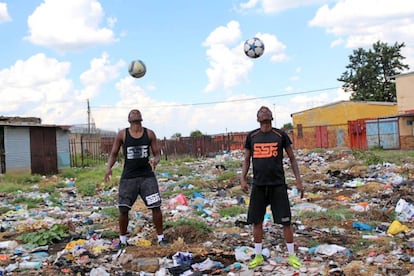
(138, 177)
(264, 146)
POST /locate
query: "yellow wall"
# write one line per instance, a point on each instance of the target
(340, 113)
(405, 92)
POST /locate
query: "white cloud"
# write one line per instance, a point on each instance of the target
(225, 35)
(303, 102)
(39, 87)
(337, 42)
(362, 23)
(101, 71)
(69, 25)
(275, 6)
(39, 80)
(4, 14)
(273, 47)
(249, 5)
(229, 66)
(341, 95)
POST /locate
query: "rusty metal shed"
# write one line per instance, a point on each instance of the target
(27, 146)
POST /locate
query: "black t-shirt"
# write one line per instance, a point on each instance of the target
(136, 153)
(267, 156)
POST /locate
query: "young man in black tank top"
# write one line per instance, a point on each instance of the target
(138, 176)
(264, 146)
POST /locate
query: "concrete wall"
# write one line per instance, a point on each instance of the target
(405, 92)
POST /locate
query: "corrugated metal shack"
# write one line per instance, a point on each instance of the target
(28, 146)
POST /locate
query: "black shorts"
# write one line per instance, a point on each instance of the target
(275, 196)
(146, 187)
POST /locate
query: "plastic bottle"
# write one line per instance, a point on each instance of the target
(30, 265)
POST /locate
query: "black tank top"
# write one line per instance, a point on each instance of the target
(136, 154)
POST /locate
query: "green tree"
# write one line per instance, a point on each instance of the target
(287, 126)
(196, 133)
(176, 136)
(369, 74)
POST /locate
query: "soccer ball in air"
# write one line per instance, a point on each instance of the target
(253, 47)
(137, 68)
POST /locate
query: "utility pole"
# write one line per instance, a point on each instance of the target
(89, 118)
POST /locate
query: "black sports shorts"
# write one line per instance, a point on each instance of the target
(275, 196)
(146, 187)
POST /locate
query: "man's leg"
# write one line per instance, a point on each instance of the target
(157, 220)
(258, 232)
(288, 233)
(123, 224)
(257, 238)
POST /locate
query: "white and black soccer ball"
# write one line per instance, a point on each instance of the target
(137, 68)
(254, 47)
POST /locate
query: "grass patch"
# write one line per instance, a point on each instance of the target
(49, 188)
(108, 198)
(30, 203)
(4, 209)
(110, 234)
(232, 211)
(177, 160)
(369, 157)
(361, 244)
(378, 156)
(55, 198)
(233, 164)
(110, 212)
(88, 179)
(331, 215)
(199, 225)
(23, 182)
(226, 176)
(69, 173)
(187, 193)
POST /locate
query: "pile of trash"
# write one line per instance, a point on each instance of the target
(355, 219)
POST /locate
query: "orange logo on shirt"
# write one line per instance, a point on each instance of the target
(265, 150)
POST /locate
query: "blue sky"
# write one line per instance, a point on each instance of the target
(56, 55)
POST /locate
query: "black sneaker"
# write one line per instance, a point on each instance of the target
(163, 243)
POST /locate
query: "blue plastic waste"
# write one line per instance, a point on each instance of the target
(362, 226)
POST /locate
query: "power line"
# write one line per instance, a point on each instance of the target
(231, 101)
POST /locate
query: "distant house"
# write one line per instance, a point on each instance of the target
(337, 124)
(360, 125)
(26, 145)
(405, 99)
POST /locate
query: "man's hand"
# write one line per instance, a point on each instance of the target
(301, 190)
(108, 175)
(244, 186)
(153, 164)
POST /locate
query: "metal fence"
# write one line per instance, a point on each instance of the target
(90, 150)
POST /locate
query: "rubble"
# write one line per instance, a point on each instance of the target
(355, 219)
